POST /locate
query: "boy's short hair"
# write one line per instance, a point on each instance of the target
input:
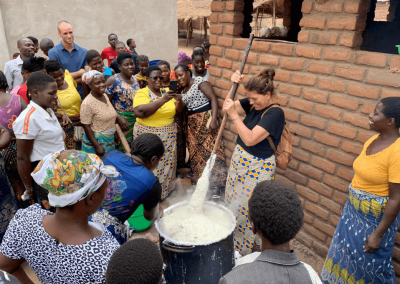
(39, 80)
(276, 211)
(163, 62)
(137, 261)
(142, 58)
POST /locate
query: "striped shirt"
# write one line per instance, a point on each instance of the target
(42, 126)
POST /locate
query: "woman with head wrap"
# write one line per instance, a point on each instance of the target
(63, 247)
(98, 116)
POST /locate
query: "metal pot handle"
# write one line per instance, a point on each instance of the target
(176, 248)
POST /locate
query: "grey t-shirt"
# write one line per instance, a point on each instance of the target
(270, 267)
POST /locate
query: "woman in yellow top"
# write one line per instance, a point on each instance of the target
(155, 109)
(362, 246)
(68, 96)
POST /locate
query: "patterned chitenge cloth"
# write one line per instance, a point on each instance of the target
(245, 172)
(200, 143)
(180, 140)
(131, 119)
(69, 131)
(115, 226)
(8, 202)
(346, 261)
(105, 139)
(11, 167)
(166, 169)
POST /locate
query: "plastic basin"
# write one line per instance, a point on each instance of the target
(137, 221)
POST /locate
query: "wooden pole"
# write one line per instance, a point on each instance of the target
(234, 90)
(187, 34)
(205, 27)
(123, 139)
(257, 14)
(274, 14)
(191, 30)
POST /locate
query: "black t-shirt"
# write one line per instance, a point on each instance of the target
(273, 121)
(114, 66)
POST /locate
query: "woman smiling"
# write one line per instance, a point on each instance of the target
(362, 246)
(202, 121)
(261, 122)
(155, 109)
(68, 97)
(98, 116)
(121, 89)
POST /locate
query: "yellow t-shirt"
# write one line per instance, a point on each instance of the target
(373, 173)
(164, 116)
(69, 98)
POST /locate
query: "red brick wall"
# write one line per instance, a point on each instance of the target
(381, 11)
(326, 86)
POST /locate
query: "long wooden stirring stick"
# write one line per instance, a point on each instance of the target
(233, 93)
(123, 140)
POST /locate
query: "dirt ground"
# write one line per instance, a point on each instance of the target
(197, 39)
(181, 193)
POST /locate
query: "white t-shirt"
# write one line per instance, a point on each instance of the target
(206, 77)
(42, 126)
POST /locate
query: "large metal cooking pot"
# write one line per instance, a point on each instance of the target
(192, 263)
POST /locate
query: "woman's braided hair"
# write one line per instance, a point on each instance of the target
(263, 83)
(146, 146)
(184, 67)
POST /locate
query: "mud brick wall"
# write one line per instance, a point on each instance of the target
(326, 86)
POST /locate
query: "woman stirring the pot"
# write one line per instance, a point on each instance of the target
(202, 104)
(261, 121)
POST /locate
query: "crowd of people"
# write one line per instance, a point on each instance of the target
(65, 164)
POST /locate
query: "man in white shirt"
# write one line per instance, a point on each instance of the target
(12, 69)
(38, 131)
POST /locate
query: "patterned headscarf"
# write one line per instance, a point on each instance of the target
(72, 179)
(88, 76)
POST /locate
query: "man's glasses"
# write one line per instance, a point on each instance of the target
(156, 78)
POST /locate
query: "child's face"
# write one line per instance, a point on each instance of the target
(142, 67)
(96, 64)
(47, 97)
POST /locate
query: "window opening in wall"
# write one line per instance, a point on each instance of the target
(260, 16)
(382, 32)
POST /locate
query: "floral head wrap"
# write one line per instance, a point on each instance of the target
(88, 76)
(72, 179)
